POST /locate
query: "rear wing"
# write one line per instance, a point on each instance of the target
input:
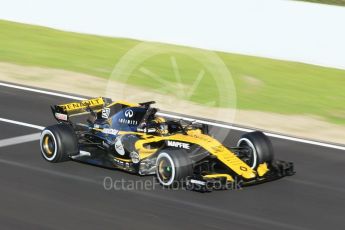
(62, 112)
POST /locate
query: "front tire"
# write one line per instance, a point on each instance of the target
(259, 146)
(173, 166)
(58, 143)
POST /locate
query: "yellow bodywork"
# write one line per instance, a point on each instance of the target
(122, 159)
(262, 169)
(95, 103)
(214, 176)
(82, 105)
(208, 143)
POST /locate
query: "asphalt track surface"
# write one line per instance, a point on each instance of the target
(35, 194)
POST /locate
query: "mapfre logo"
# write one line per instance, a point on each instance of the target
(179, 144)
(129, 113)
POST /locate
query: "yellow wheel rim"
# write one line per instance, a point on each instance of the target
(48, 145)
(164, 169)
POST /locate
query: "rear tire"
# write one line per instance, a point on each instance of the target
(173, 166)
(58, 143)
(260, 146)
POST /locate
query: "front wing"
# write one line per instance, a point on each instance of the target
(277, 169)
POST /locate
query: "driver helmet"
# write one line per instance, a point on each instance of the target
(162, 128)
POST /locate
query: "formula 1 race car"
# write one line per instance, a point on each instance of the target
(133, 138)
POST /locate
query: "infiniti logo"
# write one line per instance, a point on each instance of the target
(129, 113)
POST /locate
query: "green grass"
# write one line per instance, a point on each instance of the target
(261, 84)
(329, 2)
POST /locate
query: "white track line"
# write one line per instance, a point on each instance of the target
(41, 91)
(19, 139)
(280, 136)
(22, 123)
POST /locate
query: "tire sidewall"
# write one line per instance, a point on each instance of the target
(262, 147)
(181, 165)
(43, 135)
(253, 147)
(65, 140)
(165, 155)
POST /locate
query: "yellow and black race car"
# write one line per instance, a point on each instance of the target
(131, 137)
